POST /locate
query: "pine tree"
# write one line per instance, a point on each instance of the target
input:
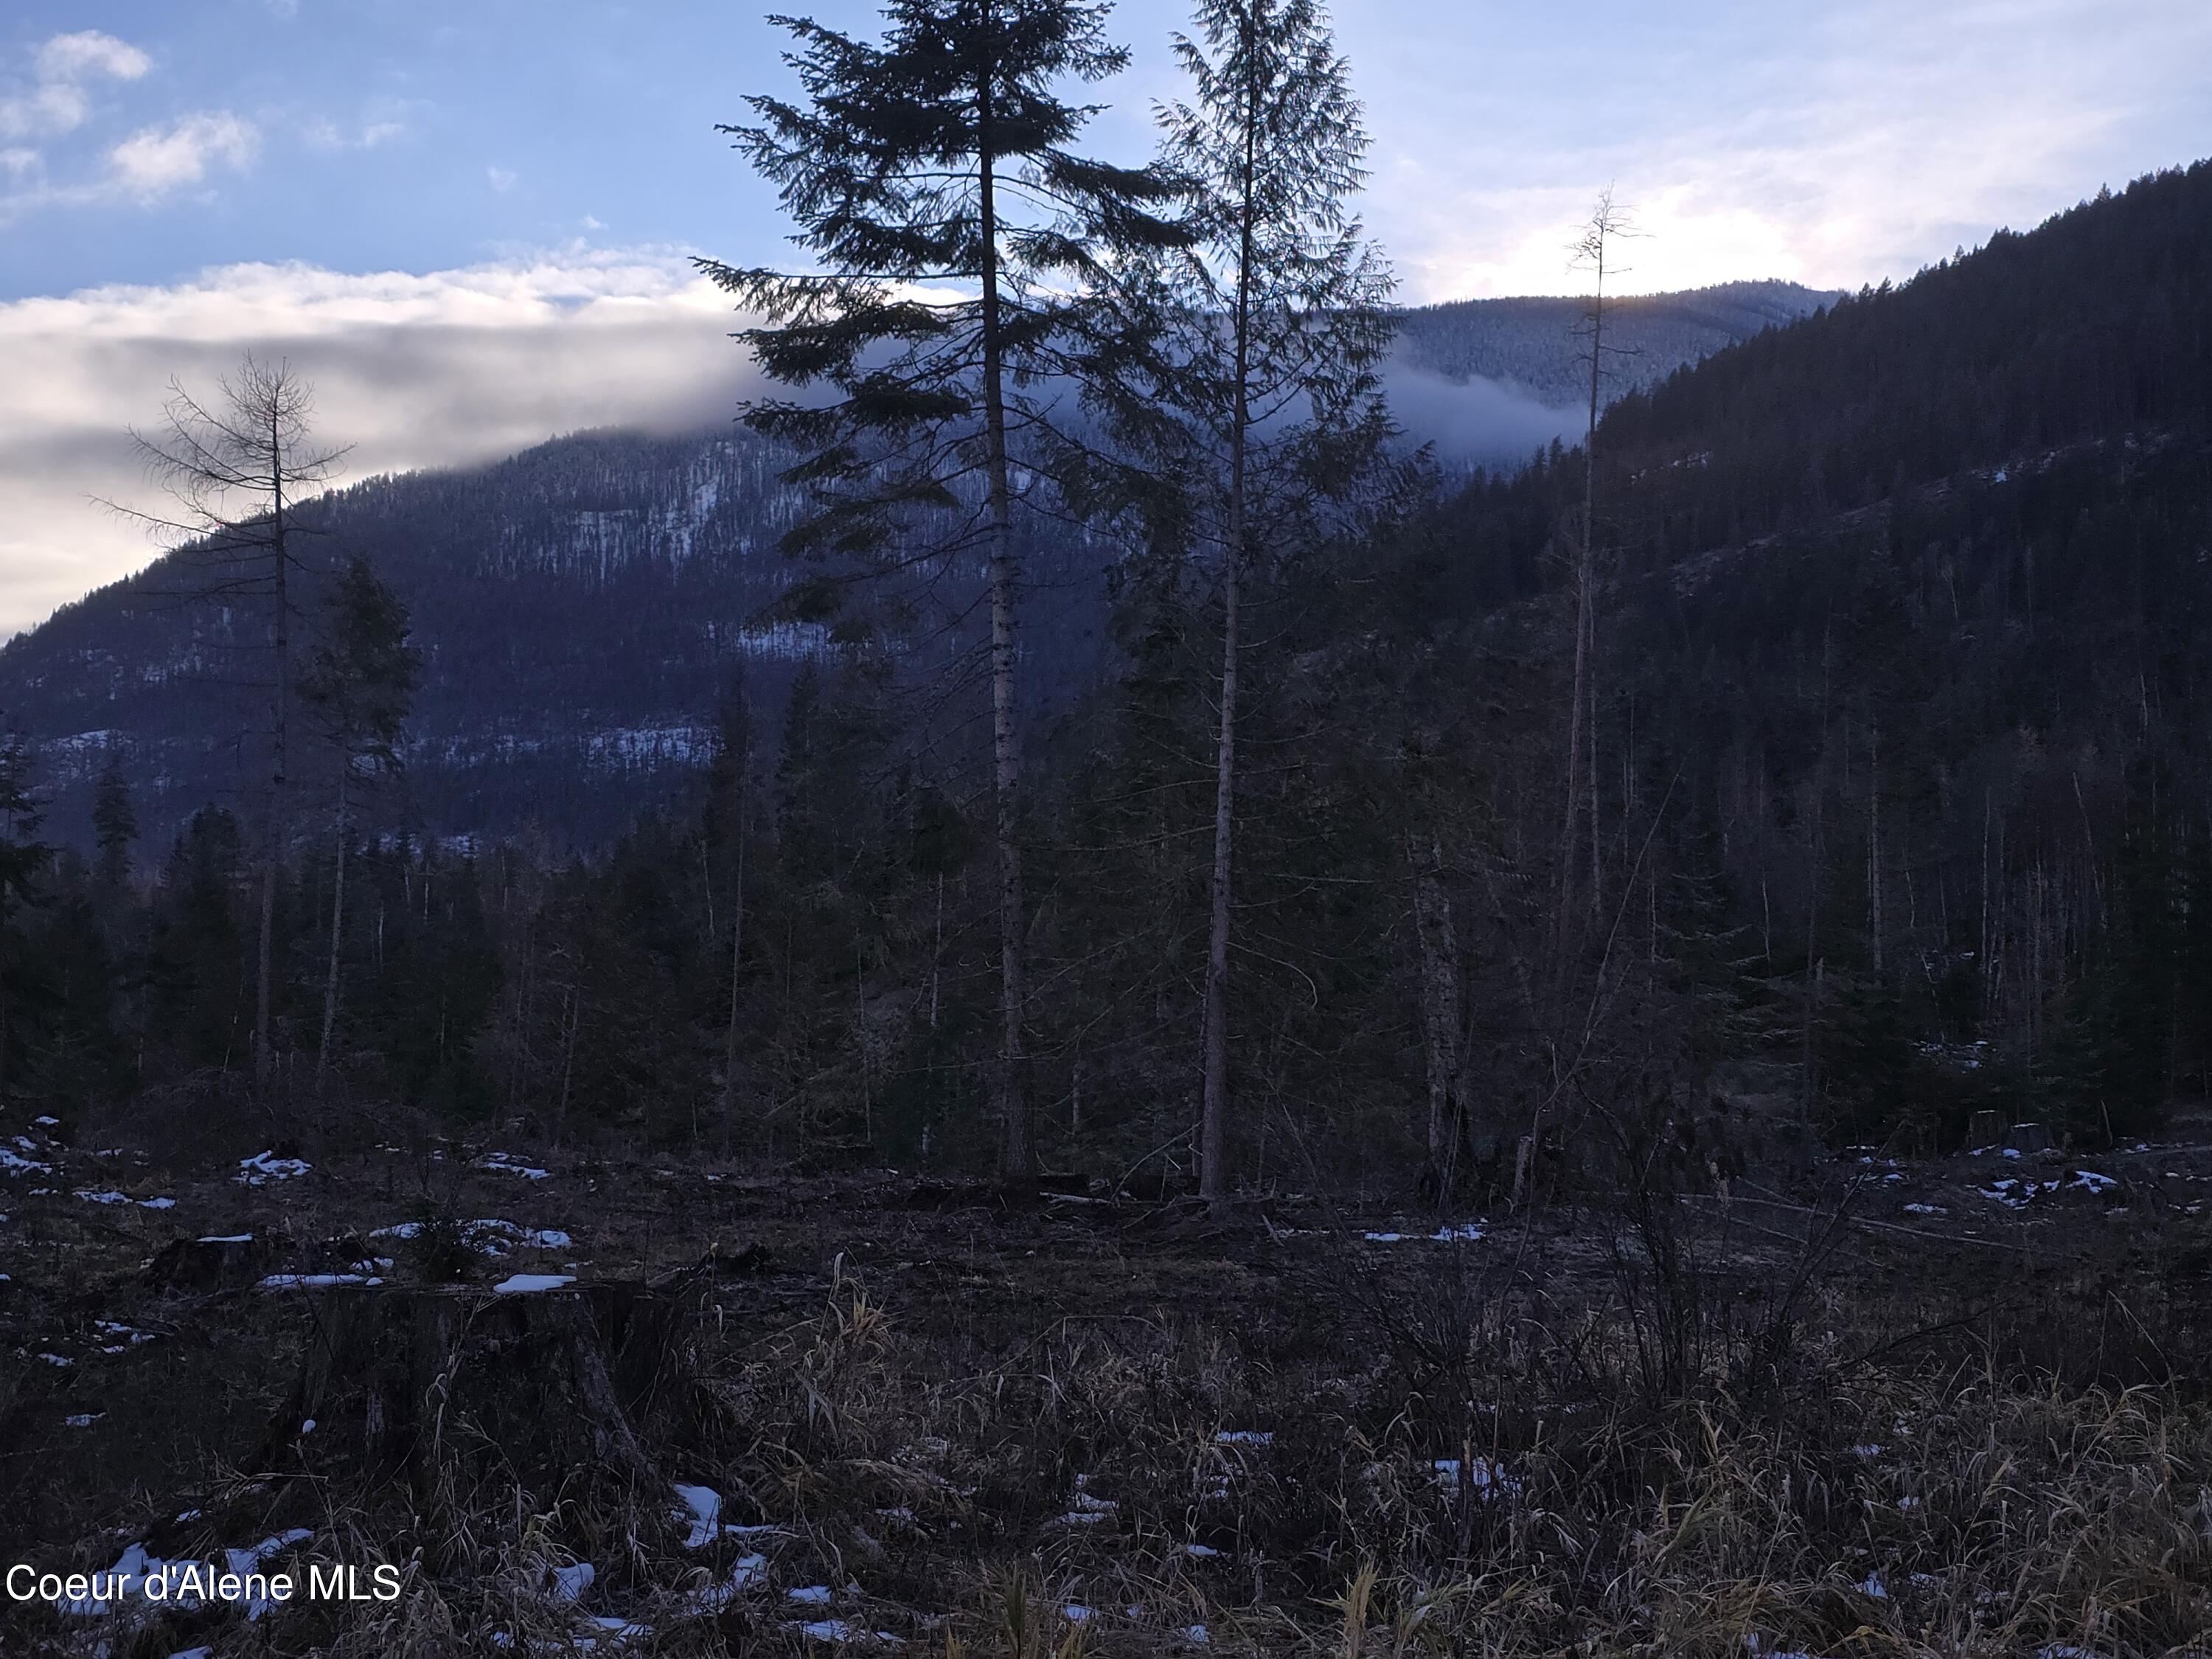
(114, 824)
(358, 686)
(1244, 375)
(937, 156)
(23, 859)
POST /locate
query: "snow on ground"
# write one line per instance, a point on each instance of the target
(491, 1235)
(1484, 1479)
(265, 1167)
(705, 1505)
(508, 1163)
(1461, 1232)
(524, 1283)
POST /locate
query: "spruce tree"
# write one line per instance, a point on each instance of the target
(937, 156)
(23, 860)
(358, 687)
(1244, 375)
(114, 824)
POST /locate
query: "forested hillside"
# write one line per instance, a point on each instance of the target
(580, 606)
(1540, 345)
(1899, 779)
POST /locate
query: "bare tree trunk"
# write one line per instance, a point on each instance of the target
(737, 960)
(1018, 1151)
(1582, 729)
(937, 953)
(1214, 1134)
(1873, 848)
(1213, 1112)
(569, 1060)
(1440, 1005)
(273, 831)
(337, 924)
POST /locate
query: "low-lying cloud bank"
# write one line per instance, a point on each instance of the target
(438, 370)
(446, 369)
(1476, 422)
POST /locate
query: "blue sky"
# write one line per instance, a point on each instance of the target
(466, 218)
(1835, 141)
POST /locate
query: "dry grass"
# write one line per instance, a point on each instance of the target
(1397, 1452)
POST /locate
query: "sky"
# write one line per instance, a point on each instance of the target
(468, 221)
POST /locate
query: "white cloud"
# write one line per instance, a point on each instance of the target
(155, 161)
(87, 52)
(57, 103)
(441, 369)
(501, 179)
(18, 160)
(325, 134)
(1834, 145)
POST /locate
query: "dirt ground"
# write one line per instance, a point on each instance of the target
(685, 1406)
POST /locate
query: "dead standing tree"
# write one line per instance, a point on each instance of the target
(235, 467)
(1607, 223)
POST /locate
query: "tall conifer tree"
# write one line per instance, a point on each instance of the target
(1244, 375)
(937, 156)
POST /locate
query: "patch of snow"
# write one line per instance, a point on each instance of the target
(1486, 1479)
(231, 1238)
(1197, 1635)
(83, 1420)
(91, 1197)
(314, 1281)
(265, 1167)
(811, 1595)
(1076, 1614)
(508, 1163)
(157, 1203)
(747, 1571)
(705, 1504)
(1245, 1438)
(1925, 1209)
(1865, 1450)
(524, 1283)
(570, 1583)
(15, 1165)
(56, 1359)
(1200, 1552)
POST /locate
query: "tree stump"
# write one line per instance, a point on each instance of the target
(217, 1264)
(439, 1387)
(2028, 1138)
(1985, 1129)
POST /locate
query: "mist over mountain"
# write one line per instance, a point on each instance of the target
(582, 605)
